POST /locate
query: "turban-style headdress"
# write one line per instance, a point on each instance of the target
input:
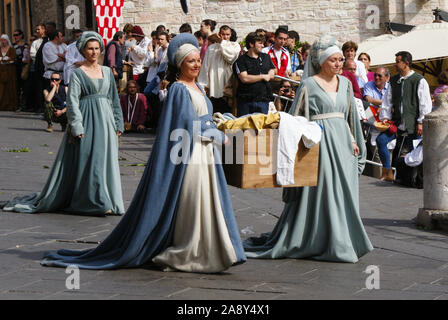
(86, 37)
(320, 51)
(180, 47)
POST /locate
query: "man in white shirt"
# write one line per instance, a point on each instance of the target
(139, 52)
(53, 53)
(40, 33)
(405, 104)
(73, 58)
(157, 55)
(279, 54)
(216, 69)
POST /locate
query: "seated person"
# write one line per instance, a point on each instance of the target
(55, 102)
(286, 90)
(375, 90)
(134, 107)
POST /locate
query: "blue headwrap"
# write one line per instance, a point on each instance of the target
(177, 42)
(86, 37)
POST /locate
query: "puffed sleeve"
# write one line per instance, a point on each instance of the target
(74, 116)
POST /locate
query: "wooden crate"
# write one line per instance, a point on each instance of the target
(254, 166)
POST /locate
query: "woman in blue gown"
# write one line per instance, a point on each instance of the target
(85, 177)
(323, 222)
(181, 216)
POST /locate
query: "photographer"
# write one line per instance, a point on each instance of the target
(286, 90)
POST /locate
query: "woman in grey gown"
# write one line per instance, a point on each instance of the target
(85, 177)
(323, 222)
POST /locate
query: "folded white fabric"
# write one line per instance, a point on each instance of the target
(291, 130)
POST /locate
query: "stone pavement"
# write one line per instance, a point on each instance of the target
(413, 263)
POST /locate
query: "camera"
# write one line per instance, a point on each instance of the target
(286, 90)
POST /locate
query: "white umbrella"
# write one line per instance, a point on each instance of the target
(424, 42)
(373, 42)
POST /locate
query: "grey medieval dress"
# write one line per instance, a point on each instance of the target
(323, 222)
(85, 177)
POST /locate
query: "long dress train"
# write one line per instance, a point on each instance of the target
(85, 177)
(181, 215)
(323, 222)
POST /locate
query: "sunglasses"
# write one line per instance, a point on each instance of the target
(55, 79)
(17, 34)
(378, 75)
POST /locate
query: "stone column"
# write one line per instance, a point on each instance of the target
(434, 213)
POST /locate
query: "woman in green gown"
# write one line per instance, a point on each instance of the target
(85, 177)
(323, 222)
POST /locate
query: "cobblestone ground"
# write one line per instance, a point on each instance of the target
(412, 263)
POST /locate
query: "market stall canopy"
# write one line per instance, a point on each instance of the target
(424, 42)
(373, 42)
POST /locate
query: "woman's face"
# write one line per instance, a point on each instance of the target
(363, 58)
(205, 29)
(92, 50)
(191, 66)
(333, 64)
(349, 54)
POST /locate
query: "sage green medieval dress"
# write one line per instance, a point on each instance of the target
(323, 222)
(85, 177)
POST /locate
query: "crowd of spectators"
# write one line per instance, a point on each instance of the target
(238, 77)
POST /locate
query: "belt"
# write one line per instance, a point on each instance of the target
(93, 96)
(330, 115)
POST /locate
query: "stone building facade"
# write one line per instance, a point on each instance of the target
(356, 20)
(345, 19)
(26, 14)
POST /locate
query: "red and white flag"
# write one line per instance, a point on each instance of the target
(108, 14)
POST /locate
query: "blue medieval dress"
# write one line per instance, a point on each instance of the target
(85, 177)
(181, 216)
(323, 222)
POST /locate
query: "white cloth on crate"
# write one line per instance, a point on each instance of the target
(291, 130)
(216, 68)
(73, 56)
(50, 53)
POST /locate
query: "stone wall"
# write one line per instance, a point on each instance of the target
(47, 10)
(344, 19)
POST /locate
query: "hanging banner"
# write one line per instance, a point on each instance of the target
(108, 14)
